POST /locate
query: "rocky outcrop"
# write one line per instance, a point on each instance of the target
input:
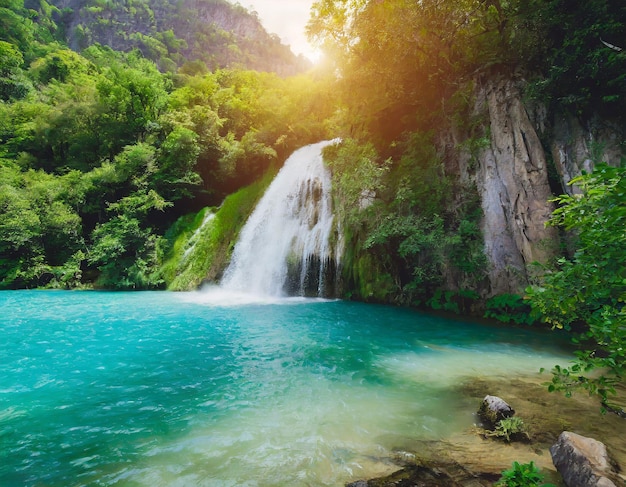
(511, 175)
(494, 409)
(518, 156)
(435, 474)
(582, 461)
(577, 145)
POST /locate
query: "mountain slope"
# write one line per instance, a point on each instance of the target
(215, 32)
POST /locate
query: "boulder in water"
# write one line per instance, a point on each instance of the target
(582, 461)
(492, 410)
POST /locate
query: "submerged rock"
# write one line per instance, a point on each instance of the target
(494, 409)
(434, 475)
(582, 461)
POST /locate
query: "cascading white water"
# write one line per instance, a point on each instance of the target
(284, 247)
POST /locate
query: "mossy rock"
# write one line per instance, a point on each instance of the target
(494, 409)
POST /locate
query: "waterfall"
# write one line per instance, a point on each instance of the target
(285, 246)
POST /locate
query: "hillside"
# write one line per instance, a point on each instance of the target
(215, 32)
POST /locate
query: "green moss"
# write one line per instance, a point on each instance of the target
(178, 239)
(194, 258)
(364, 277)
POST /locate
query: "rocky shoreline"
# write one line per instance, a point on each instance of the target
(473, 459)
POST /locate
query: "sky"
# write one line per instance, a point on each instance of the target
(287, 19)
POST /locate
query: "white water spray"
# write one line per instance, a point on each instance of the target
(284, 247)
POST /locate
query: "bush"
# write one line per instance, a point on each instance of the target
(511, 429)
(509, 308)
(522, 475)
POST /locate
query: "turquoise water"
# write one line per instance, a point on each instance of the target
(164, 389)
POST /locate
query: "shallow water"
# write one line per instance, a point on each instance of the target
(164, 389)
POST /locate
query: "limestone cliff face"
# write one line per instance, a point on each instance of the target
(576, 145)
(511, 174)
(512, 178)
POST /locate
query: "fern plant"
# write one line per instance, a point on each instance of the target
(522, 475)
(512, 428)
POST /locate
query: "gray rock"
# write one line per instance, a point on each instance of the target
(358, 483)
(511, 175)
(494, 409)
(582, 461)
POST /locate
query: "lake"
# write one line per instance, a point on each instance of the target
(207, 389)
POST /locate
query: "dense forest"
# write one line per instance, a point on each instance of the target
(121, 122)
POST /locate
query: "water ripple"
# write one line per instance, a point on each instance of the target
(158, 389)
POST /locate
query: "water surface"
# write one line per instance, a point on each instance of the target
(164, 389)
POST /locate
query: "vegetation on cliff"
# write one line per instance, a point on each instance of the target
(415, 223)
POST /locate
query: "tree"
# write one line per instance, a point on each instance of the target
(567, 42)
(39, 230)
(400, 59)
(177, 158)
(588, 291)
(13, 83)
(133, 95)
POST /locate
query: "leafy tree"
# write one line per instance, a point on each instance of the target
(15, 26)
(578, 48)
(132, 97)
(13, 83)
(124, 249)
(39, 230)
(60, 65)
(177, 158)
(588, 291)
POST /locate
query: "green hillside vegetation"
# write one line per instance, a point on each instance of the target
(100, 152)
(200, 34)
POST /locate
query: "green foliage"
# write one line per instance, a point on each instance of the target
(402, 213)
(357, 178)
(126, 254)
(59, 65)
(509, 308)
(453, 301)
(198, 246)
(522, 475)
(13, 82)
(178, 154)
(589, 290)
(39, 228)
(570, 44)
(510, 429)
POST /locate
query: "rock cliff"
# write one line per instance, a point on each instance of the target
(577, 145)
(512, 178)
(528, 155)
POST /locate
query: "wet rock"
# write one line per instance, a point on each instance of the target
(494, 409)
(582, 461)
(433, 475)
